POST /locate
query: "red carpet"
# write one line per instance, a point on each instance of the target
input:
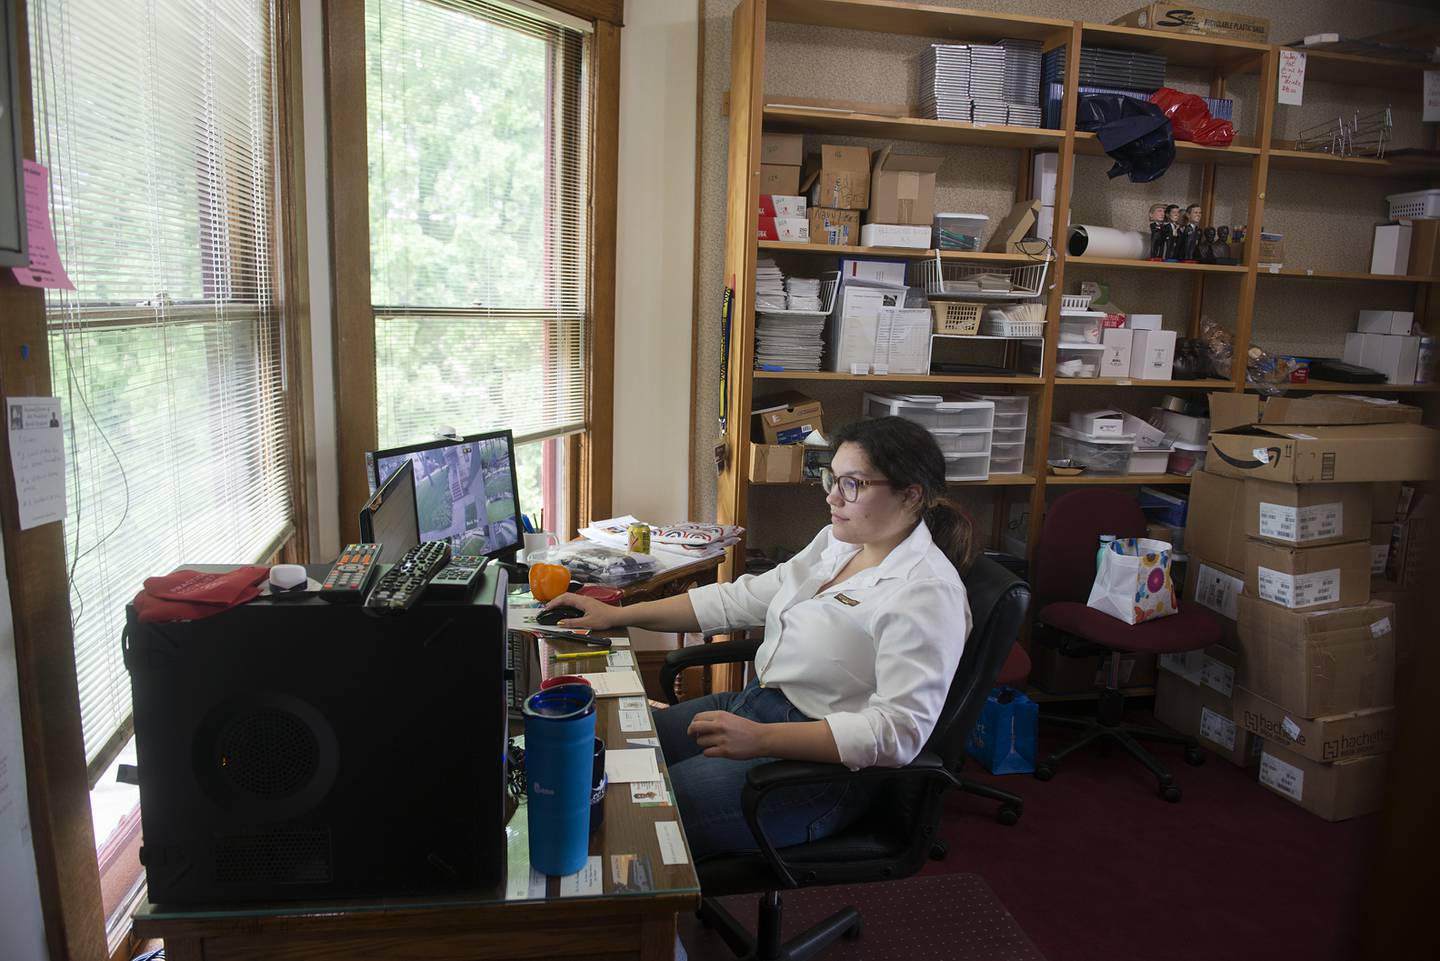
(1100, 869)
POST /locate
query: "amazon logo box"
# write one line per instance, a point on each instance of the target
(1325, 455)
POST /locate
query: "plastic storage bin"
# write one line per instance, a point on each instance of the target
(962, 441)
(1008, 435)
(1149, 460)
(960, 231)
(1078, 360)
(1416, 203)
(1007, 458)
(1098, 455)
(967, 467)
(935, 414)
(1185, 459)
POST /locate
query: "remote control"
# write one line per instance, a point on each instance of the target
(350, 578)
(401, 586)
(461, 574)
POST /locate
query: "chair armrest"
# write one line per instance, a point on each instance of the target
(764, 778)
(720, 652)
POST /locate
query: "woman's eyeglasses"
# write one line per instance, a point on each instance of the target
(850, 487)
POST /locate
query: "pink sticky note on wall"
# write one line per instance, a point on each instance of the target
(45, 269)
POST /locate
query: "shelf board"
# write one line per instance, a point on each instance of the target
(1180, 49)
(1338, 387)
(918, 129)
(844, 378)
(1118, 480)
(883, 16)
(1207, 384)
(1324, 66)
(1312, 162)
(909, 253)
(997, 480)
(1088, 143)
(1152, 265)
(1299, 274)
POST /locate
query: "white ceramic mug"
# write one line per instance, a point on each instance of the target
(539, 543)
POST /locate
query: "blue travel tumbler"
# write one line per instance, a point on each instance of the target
(559, 760)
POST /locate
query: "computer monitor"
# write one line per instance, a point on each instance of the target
(464, 491)
(389, 518)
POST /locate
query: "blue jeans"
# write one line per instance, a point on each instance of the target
(707, 789)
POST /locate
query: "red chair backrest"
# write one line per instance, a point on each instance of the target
(1065, 558)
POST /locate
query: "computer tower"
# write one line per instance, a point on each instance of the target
(295, 750)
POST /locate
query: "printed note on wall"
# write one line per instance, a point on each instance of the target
(37, 456)
(45, 269)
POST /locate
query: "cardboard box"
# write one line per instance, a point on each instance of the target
(781, 205)
(776, 463)
(831, 226)
(1105, 423)
(1345, 789)
(1391, 251)
(1307, 514)
(1228, 411)
(1322, 662)
(1214, 667)
(1198, 20)
(1325, 455)
(1054, 672)
(1394, 356)
(784, 418)
(794, 230)
(780, 179)
(839, 177)
(894, 235)
(782, 148)
(1397, 322)
(1405, 565)
(1115, 359)
(1424, 248)
(1205, 715)
(1152, 354)
(1380, 536)
(1013, 227)
(1217, 589)
(1324, 739)
(1412, 629)
(1217, 505)
(1308, 578)
(902, 189)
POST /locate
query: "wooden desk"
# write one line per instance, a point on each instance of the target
(503, 922)
(676, 580)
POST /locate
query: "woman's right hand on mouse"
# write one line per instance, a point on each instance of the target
(599, 616)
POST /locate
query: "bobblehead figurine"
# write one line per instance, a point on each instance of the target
(1157, 231)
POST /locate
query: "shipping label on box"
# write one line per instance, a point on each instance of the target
(1308, 514)
(1203, 713)
(1217, 728)
(1286, 779)
(1327, 738)
(794, 230)
(1186, 664)
(1217, 589)
(1343, 789)
(1308, 577)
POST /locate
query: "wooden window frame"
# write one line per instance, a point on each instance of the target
(58, 789)
(590, 453)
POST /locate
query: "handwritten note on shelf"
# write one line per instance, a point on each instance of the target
(37, 456)
(45, 269)
(1292, 77)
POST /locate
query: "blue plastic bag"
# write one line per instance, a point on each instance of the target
(1004, 738)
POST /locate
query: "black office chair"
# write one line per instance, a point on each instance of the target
(892, 839)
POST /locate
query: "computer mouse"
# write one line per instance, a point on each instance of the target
(555, 615)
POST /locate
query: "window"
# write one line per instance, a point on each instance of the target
(478, 179)
(158, 120)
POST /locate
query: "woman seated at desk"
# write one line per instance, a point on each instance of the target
(863, 632)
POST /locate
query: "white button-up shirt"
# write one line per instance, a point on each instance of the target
(873, 655)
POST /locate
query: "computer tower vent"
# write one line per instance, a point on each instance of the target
(281, 856)
(268, 753)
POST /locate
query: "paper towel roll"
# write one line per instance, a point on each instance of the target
(1087, 241)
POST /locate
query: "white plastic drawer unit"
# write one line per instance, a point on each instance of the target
(974, 441)
(1007, 458)
(967, 467)
(937, 415)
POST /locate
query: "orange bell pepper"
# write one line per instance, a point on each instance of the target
(549, 581)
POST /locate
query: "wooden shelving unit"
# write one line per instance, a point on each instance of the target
(752, 111)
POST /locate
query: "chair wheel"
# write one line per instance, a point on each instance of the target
(1194, 756)
(938, 850)
(853, 932)
(1170, 792)
(1044, 772)
(1008, 815)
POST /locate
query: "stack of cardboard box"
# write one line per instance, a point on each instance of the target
(1279, 538)
(837, 186)
(782, 210)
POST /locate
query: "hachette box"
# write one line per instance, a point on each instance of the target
(1326, 738)
(1347, 788)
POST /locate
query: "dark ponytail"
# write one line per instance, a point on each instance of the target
(907, 455)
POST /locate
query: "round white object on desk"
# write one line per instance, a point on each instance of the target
(285, 577)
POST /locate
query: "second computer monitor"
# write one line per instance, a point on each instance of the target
(390, 518)
(465, 490)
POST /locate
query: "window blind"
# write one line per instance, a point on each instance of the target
(479, 236)
(156, 119)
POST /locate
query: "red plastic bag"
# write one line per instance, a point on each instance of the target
(1191, 118)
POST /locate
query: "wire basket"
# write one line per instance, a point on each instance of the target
(1075, 301)
(957, 317)
(1417, 203)
(829, 285)
(940, 279)
(1015, 320)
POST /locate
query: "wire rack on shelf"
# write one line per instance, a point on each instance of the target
(940, 279)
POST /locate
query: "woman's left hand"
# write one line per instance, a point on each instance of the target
(723, 734)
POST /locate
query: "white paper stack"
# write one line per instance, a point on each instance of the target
(802, 293)
(944, 92)
(769, 285)
(789, 341)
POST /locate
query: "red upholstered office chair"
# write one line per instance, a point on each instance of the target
(1015, 669)
(1063, 574)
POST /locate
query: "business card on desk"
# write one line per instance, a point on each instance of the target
(621, 660)
(589, 881)
(632, 720)
(672, 842)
